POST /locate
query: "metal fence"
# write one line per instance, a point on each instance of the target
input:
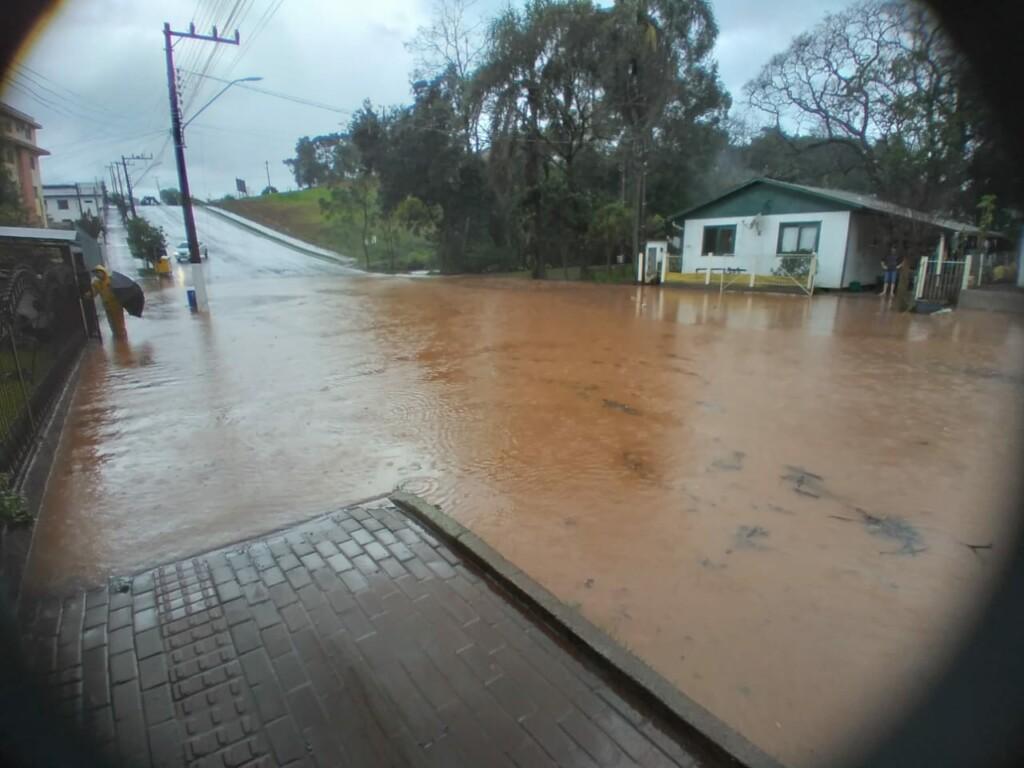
(941, 280)
(42, 332)
(792, 272)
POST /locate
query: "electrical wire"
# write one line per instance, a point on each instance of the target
(286, 96)
(55, 89)
(247, 44)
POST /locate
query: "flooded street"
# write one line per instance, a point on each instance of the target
(768, 499)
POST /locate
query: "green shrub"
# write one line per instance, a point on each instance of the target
(146, 241)
(13, 510)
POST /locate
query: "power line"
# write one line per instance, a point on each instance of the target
(272, 9)
(239, 11)
(285, 96)
(49, 86)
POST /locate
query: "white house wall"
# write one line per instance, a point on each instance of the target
(90, 203)
(756, 252)
(864, 251)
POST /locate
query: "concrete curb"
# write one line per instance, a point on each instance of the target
(570, 625)
(292, 242)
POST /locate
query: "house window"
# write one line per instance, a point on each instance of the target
(62, 205)
(719, 241)
(799, 238)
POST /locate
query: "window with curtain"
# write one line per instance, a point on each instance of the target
(799, 238)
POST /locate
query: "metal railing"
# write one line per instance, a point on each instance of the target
(41, 335)
(788, 271)
(941, 280)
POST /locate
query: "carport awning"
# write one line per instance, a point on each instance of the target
(57, 238)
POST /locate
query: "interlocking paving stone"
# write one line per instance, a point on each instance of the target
(354, 639)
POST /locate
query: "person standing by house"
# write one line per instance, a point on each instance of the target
(891, 264)
(115, 312)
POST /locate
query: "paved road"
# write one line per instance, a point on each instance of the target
(353, 640)
(237, 253)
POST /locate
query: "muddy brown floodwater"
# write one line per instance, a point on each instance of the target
(768, 499)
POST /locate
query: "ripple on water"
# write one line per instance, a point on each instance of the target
(426, 486)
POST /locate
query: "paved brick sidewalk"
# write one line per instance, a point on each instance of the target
(353, 640)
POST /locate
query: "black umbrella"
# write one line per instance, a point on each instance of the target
(128, 292)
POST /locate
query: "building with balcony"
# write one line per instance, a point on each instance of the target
(19, 156)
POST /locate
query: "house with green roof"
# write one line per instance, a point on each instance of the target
(767, 228)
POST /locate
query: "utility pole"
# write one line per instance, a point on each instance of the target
(118, 185)
(128, 179)
(113, 179)
(267, 164)
(177, 133)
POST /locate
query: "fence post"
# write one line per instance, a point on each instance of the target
(707, 270)
(922, 275)
(967, 272)
(939, 254)
(811, 274)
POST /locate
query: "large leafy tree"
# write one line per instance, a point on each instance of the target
(427, 158)
(658, 62)
(452, 46)
(881, 89)
(313, 159)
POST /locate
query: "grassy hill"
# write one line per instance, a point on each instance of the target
(298, 214)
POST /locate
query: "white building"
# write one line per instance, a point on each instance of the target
(764, 224)
(66, 203)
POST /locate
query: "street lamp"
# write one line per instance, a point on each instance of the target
(217, 96)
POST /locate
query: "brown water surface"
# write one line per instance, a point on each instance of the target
(766, 498)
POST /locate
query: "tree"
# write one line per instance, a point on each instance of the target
(659, 59)
(880, 84)
(542, 78)
(411, 215)
(312, 162)
(12, 209)
(92, 225)
(146, 241)
(610, 229)
(452, 46)
(354, 200)
(170, 196)
(427, 158)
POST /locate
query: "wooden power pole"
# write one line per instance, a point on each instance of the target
(128, 179)
(177, 132)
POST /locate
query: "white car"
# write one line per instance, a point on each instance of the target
(182, 255)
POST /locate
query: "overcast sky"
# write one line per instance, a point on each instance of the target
(94, 76)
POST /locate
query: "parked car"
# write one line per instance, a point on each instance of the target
(182, 255)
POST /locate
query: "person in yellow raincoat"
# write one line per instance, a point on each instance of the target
(115, 312)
